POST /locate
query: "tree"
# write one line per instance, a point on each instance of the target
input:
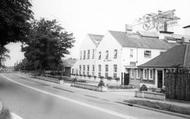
(14, 20)
(47, 45)
(3, 55)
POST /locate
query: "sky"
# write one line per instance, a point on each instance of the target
(98, 16)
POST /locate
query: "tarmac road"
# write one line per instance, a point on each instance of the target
(33, 100)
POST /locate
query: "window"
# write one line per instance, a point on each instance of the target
(145, 74)
(147, 53)
(131, 53)
(79, 69)
(132, 75)
(80, 55)
(83, 69)
(88, 68)
(93, 70)
(115, 54)
(99, 56)
(84, 55)
(106, 71)
(138, 73)
(107, 54)
(72, 71)
(88, 56)
(99, 70)
(93, 53)
(150, 74)
(115, 70)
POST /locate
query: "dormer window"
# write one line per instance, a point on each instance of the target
(147, 53)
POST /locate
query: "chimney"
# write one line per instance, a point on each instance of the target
(128, 28)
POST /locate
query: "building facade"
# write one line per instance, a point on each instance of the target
(115, 56)
(154, 71)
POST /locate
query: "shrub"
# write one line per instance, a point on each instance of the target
(5, 114)
(143, 88)
(101, 77)
(74, 80)
(109, 78)
(101, 83)
(95, 77)
(117, 79)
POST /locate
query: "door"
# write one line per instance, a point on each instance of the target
(160, 78)
(126, 78)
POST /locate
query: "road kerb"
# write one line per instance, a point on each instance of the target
(157, 110)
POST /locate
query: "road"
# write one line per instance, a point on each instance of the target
(37, 100)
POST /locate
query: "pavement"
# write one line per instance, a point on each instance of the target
(119, 97)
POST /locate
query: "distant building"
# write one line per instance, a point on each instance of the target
(68, 63)
(153, 71)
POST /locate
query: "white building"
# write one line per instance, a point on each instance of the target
(116, 55)
(85, 66)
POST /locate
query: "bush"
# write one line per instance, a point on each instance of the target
(117, 79)
(5, 114)
(101, 83)
(121, 86)
(74, 80)
(109, 78)
(101, 77)
(143, 88)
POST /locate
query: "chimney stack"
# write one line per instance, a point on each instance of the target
(128, 28)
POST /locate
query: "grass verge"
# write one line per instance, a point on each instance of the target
(162, 106)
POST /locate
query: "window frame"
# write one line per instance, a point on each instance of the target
(100, 55)
(115, 54)
(131, 53)
(146, 54)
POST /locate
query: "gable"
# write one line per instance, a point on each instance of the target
(109, 42)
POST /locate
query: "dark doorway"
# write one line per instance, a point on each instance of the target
(126, 78)
(160, 78)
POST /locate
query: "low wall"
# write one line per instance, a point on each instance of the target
(88, 86)
(150, 95)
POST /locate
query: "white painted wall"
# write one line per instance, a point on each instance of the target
(138, 55)
(109, 43)
(86, 45)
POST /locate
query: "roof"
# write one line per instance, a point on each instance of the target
(139, 40)
(178, 56)
(186, 26)
(96, 38)
(69, 62)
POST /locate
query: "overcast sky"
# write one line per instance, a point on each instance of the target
(98, 16)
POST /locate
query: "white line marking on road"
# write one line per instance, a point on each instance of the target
(73, 101)
(15, 116)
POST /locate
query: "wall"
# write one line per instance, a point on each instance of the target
(109, 43)
(86, 45)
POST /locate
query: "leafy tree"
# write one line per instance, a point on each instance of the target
(3, 55)
(47, 45)
(14, 20)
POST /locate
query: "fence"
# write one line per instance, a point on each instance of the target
(178, 85)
